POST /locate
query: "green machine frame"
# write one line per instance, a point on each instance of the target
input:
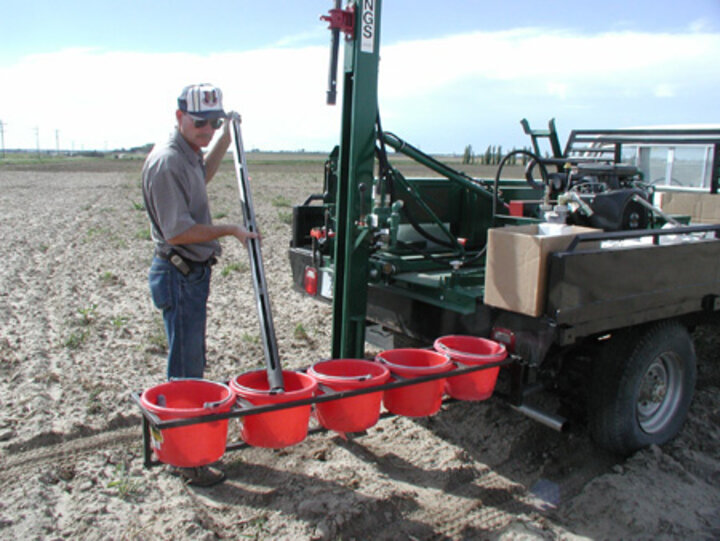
(350, 200)
(360, 23)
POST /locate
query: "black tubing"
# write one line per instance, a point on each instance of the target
(496, 183)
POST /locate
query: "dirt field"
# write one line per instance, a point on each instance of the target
(78, 332)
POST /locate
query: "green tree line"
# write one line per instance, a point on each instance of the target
(492, 156)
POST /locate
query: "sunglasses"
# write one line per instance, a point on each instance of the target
(215, 123)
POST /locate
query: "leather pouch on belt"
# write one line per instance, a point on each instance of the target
(179, 263)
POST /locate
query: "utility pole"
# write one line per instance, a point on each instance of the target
(57, 142)
(2, 137)
(37, 139)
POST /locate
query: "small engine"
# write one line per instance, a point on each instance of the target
(612, 192)
(604, 196)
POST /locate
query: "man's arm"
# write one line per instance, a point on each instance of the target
(217, 152)
(203, 233)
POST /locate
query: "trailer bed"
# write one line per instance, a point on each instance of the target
(598, 290)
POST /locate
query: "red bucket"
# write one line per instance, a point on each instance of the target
(280, 428)
(192, 445)
(472, 351)
(421, 399)
(356, 413)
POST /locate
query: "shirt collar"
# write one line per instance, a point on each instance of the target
(185, 148)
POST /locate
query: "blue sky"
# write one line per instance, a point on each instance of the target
(104, 75)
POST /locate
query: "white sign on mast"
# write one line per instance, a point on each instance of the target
(367, 27)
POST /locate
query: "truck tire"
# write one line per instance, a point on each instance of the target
(641, 388)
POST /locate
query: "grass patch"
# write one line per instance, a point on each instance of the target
(119, 321)
(94, 232)
(300, 333)
(125, 485)
(250, 338)
(143, 234)
(93, 406)
(76, 339)
(87, 314)
(257, 527)
(138, 206)
(219, 215)
(109, 277)
(285, 216)
(234, 267)
(157, 341)
(120, 243)
(281, 201)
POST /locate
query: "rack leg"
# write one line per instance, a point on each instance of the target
(147, 451)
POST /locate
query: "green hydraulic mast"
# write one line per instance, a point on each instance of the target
(360, 23)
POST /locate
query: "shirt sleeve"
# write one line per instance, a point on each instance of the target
(171, 201)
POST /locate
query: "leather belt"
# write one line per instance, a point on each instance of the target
(177, 260)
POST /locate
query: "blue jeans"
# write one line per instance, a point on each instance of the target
(183, 301)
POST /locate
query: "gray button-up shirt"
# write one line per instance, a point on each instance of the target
(176, 197)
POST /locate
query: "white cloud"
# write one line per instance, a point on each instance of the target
(100, 99)
(534, 56)
(300, 38)
(555, 88)
(701, 25)
(664, 91)
(481, 84)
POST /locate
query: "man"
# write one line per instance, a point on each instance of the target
(174, 178)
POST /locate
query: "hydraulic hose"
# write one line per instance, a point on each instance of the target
(390, 174)
(496, 182)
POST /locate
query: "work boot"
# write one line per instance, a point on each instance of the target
(200, 476)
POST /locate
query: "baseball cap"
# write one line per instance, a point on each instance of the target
(201, 100)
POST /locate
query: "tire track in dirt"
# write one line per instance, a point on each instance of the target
(79, 446)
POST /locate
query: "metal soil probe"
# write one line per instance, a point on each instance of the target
(262, 298)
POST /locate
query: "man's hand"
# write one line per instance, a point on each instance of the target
(243, 235)
(229, 118)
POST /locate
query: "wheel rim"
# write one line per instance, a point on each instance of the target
(660, 392)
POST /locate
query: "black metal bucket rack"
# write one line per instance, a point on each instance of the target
(151, 421)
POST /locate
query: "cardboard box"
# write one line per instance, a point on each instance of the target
(703, 208)
(516, 273)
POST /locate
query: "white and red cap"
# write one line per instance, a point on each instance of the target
(203, 101)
